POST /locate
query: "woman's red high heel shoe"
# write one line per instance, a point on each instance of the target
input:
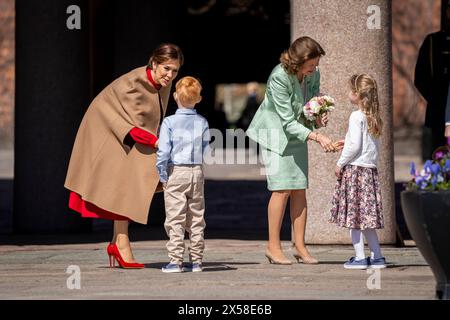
(114, 255)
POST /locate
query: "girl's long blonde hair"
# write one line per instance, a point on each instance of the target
(365, 87)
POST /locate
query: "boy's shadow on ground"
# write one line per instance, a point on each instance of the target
(207, 266)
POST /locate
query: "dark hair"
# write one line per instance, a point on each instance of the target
(300, 51)
(165, 52)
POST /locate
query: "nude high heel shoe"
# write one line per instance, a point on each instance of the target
(304, 259)
(274, 260)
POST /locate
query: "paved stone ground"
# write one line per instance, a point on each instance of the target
(234, 269)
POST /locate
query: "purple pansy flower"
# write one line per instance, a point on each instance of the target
(412, 170)
(435, 174)
(439, 155)
(435, 168)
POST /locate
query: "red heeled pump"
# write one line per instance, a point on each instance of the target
(114, 255)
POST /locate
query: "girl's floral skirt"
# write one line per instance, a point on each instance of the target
(356, 201)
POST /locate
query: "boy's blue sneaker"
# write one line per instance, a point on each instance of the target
(379, 263)
(193, 267)
(172, 268)
(352, 263)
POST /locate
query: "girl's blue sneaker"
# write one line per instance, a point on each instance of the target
(379, 263)
(352, 263)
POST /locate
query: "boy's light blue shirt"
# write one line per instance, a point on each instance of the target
(183, 139)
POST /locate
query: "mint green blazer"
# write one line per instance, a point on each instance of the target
(276, 121)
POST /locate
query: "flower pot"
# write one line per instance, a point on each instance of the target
(427, 215)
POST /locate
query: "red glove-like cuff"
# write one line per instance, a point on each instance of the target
(143, 137)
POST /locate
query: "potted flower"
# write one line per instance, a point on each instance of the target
(426, 208)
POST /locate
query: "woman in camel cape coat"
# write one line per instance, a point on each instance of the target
(103, 169)
(112, 171)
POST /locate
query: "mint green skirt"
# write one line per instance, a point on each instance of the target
(288, 171)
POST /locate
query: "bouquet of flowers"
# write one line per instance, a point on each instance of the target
(315, 107)
(435, 174)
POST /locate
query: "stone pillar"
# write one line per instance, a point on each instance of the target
(52, 94)
(342, 28)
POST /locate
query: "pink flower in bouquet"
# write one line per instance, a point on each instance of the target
(311, 110)
(317, 106)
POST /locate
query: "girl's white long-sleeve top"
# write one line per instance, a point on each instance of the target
(360, 148)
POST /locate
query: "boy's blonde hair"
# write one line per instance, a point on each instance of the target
(188, 91)
(365, 87)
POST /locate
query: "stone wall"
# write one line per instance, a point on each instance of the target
(341, 27)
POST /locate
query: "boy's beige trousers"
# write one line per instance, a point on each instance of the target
(185, 207)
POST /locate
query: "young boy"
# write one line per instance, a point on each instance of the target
(183, 140)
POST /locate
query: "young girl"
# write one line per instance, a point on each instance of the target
(356, 201)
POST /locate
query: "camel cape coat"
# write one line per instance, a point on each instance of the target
(103, 169)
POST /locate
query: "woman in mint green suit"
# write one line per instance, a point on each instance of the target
(283, 136)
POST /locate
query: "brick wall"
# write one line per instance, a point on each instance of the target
(7, 14)
(412, 21)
